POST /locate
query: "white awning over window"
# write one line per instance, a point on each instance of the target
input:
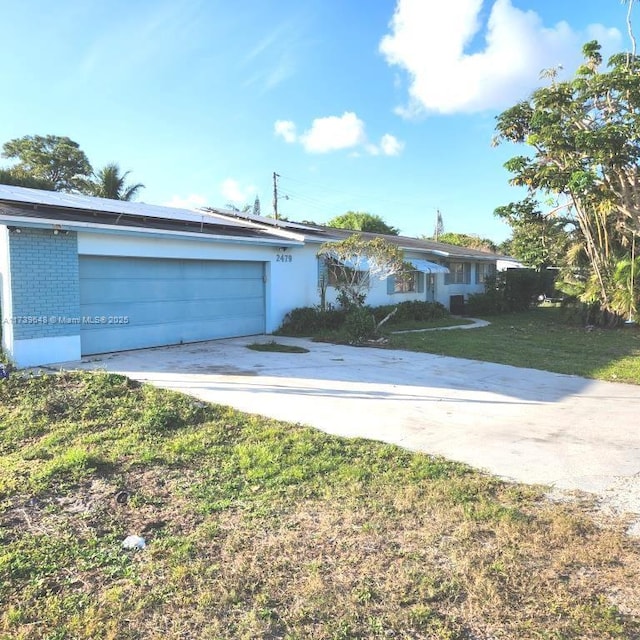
(427, 267)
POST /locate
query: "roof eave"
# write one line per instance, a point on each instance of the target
(61, 225)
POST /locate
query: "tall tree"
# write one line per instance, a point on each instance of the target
(256, 206)
(584, 135)
(362, 221)
(110, 183)
(18, 179)
(538, 240)
(246, 208)
(467, 240)
(55, 159)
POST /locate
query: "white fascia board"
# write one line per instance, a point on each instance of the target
(463, 256)
(46, 223)
(6, 294)
(256, 225)
(281, 233)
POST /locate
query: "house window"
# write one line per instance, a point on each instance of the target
(406, 282)
(484, 270)
(459, 273)
(338, 274)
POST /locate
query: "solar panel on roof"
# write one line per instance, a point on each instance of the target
(105, 205)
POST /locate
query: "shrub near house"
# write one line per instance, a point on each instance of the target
(313, 321)
(507, 291)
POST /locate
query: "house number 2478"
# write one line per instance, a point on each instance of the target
(284, 257)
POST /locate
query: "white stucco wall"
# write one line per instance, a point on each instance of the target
(41, 351)
(5, 290)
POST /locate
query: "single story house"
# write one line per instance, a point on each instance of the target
(82, 275)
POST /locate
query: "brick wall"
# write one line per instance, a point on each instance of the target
(45, 283)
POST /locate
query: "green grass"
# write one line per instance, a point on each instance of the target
(276, 347)
(261, 529)
(539, 339)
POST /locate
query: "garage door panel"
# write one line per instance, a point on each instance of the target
(131, 337)
(158, 312)
(168, 301)
(107, 268)
(102, 290)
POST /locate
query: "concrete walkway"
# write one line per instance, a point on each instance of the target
(521, 424)
(474, 323)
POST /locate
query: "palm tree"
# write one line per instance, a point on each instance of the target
(109, 183)
(236, 209)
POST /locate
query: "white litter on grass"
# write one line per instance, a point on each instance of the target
(134, 542)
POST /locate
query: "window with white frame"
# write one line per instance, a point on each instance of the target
(484, 270)
(459, 273)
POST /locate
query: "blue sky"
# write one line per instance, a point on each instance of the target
(385, 106)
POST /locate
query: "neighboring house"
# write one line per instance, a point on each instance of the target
(507, 262)
(82, 275)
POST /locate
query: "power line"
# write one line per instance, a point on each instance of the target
(352, 196)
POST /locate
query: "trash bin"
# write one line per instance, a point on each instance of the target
(456, 305)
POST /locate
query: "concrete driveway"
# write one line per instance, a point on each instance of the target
(521, 424)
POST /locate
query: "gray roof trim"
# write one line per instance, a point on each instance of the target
(319, 234)
(263, 220)
(444, 251)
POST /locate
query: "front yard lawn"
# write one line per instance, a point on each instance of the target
(260, 529)
(538, 339)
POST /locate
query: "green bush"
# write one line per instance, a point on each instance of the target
(359, 325)
(490, 303)
(520, 286)
(507, 291)
(411, 310)
(307, 321)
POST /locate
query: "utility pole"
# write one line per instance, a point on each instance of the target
(275, 195)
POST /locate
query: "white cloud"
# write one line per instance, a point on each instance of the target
(390, 145)
(434, 43)
(192, 201)
(286, 129)
(335, 133)
(232, 191)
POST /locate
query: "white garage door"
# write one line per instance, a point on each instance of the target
(132, 303)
